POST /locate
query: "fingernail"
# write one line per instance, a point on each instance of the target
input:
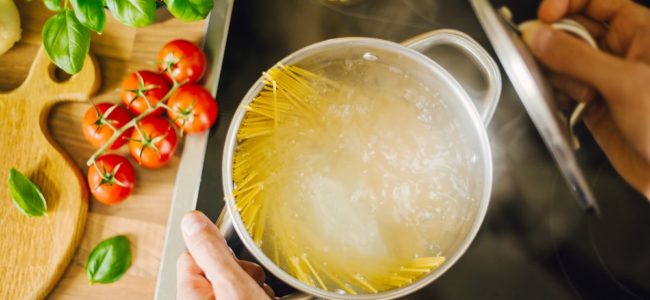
(536, 35)
(193, 223)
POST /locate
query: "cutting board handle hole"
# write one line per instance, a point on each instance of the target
(58, 75)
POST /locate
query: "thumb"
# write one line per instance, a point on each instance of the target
(211, 253)
(569, 55)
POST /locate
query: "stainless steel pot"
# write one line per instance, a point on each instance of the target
(473, 113)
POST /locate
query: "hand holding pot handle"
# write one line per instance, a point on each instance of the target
(489, 98)
(225, 225)
(208, 269)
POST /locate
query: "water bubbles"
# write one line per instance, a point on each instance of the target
(366, 157)
(424, 216)
(370, 57)
(373, 175)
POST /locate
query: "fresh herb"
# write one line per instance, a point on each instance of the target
(109, 260)
(189, 10)
(90, 13)
(66, 41)
(53, 5)
(136, 13)
(25, 194)
(66, 35)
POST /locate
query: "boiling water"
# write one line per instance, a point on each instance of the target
(379, 175)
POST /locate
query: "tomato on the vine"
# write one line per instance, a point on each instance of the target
(101, 121)
(192, 108)
(153, 142)
(142, 86)
(111, 179)
(182, 60)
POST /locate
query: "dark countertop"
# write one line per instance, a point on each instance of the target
(535, 242)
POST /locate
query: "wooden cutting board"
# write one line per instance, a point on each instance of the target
(35, 251)
(143, 217)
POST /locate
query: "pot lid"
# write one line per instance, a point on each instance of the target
(537, 97)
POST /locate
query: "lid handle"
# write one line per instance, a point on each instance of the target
(485, 100)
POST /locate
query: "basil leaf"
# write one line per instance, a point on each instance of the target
(90, 13)
(190, 10)
(66, 41)
(109, 260)
(53, 5)
(25, 194)
(136, 13)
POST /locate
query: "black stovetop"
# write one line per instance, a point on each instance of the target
(535, 242)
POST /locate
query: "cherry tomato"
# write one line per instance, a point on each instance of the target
(181, 60)
(153, 87)
(153, 143)
(111, 179)
(192, 108)
(99, 121)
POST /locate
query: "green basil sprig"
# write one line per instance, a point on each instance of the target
(109, 260)
(90, 13)
(137, 13)
(66, 41)
(66, 35)
(190, 10)
(26, 196)
(53, 5)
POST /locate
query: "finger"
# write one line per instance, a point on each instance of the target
(210, 252)
(632, 167)
(553, 10)
(254, 270)
(570, 56)
(269, 291)
(575, 89)
(190, 282)
(625, 27)
(600, 10)
(639, 49)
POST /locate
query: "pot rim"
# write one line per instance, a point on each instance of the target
(457, 91)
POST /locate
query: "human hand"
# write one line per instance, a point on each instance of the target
(620, 121)
(209, 269)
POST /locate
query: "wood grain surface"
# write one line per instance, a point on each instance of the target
(35, 251)
(119, 51)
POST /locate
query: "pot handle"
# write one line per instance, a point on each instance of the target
(227, 228)
(486, 100)
(581, 32)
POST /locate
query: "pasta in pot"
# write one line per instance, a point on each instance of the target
(350, 186)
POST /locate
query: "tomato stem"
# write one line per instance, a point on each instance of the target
(132, 123)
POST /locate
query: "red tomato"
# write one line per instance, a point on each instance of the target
(192, 108)
(153, 86)
(111, 179)
(153, 144)
(181, 60)
(98, 121)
